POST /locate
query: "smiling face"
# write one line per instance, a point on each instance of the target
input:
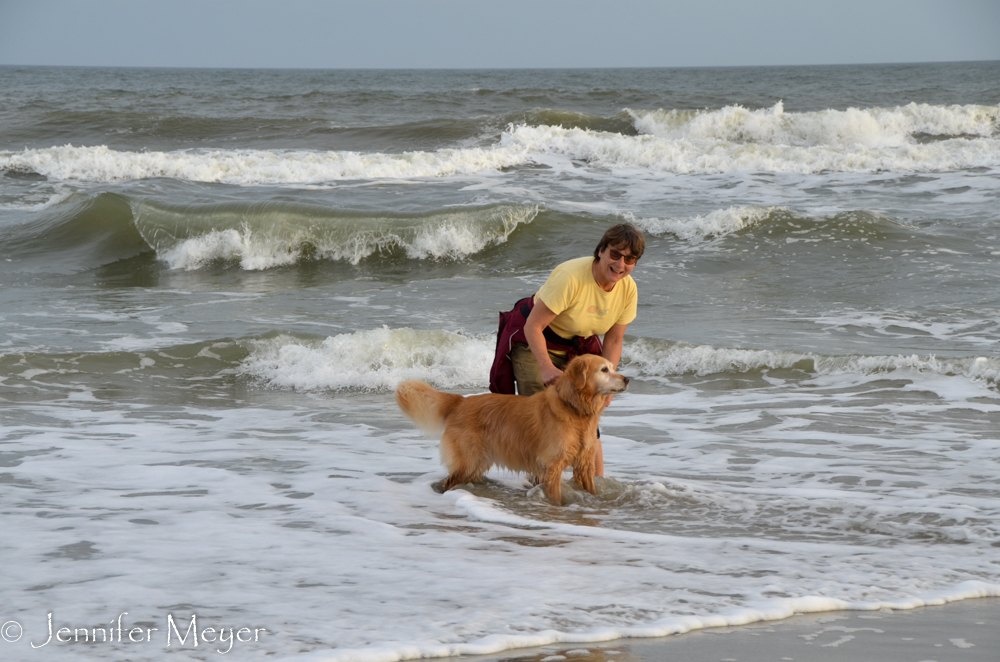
(612, 265)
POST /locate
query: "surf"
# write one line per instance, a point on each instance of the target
(266, 235)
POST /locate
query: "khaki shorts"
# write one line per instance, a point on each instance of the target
(527, 374)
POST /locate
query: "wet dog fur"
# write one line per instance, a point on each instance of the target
(541, 435)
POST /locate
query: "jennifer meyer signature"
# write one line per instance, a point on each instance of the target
(176, 632)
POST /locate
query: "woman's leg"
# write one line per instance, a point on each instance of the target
(526, 373)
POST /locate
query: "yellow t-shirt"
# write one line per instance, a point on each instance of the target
(582, 308)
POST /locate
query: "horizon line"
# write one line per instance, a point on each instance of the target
(538, 68)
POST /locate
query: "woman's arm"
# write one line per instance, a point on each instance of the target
(541, 316)
(613, 344)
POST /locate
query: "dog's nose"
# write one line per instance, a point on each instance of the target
(626, 380)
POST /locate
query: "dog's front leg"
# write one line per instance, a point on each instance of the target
(583, 471)
(553, 482)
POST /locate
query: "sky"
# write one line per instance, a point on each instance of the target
(494, 34)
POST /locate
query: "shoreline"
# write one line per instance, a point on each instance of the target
(964, 631)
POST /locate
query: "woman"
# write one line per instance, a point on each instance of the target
(582, 298)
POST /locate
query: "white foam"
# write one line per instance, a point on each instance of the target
(253, 167)
(678, 358)
(717, 223)
(981, 330)
(280, 241)
(379, 359)
(687, 156)
(374, 360)
(662, 359)
(737, 139)
(730, 139)
(51, 198)
(868, 127)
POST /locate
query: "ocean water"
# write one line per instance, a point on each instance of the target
(212, 280)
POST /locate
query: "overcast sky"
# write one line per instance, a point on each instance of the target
(499, 33)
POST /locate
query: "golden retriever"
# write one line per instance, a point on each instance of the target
(541, 435)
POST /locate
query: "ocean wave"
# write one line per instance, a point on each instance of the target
(713, 156)
(253, 167)
(660, 358)
(622, 122)
(760, 611)
(717, 223)
(39, 201)
(74, 232)
(737, 139)
(269, 235)
(378, 359)
(874, 128)
(88, 230)
(730, 139)
(370, 360)
(780, 223)
(181, 362)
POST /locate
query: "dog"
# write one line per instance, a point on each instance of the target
(541, 435)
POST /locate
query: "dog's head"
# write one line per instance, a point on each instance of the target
(587, 382)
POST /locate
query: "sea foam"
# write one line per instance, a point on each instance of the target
(869, 127)
(252, 167)
(267, 236)
(713, 156)
(737, 139)
(661, 358)
(378, 359)
(916, 137)
(717, 223)
(371, 360)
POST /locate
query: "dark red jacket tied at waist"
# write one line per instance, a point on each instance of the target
(512, 330)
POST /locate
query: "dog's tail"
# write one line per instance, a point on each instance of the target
(427, 408)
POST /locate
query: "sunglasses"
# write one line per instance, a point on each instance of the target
(615, 256)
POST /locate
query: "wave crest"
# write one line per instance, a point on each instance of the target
(869, 127)
(370, 360)
(780, 223)
(253, 167)
(659, 358)
(717, 223)
(735, 139)
(271, 235)
(916, 138)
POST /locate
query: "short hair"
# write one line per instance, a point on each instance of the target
(623, 235)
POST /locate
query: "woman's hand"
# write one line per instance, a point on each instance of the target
(539, 318)
(550, 374)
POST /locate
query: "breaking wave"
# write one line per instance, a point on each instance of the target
(918, 137)
(717, 223)
(378, 359)
(912, 138)
(661, 358)
(85, 231)
(868, 127)
(252, 167)
(779, 223)
(370, 360)
(269, 235)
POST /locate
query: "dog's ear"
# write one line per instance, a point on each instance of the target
(573, 386)
(576, 372)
